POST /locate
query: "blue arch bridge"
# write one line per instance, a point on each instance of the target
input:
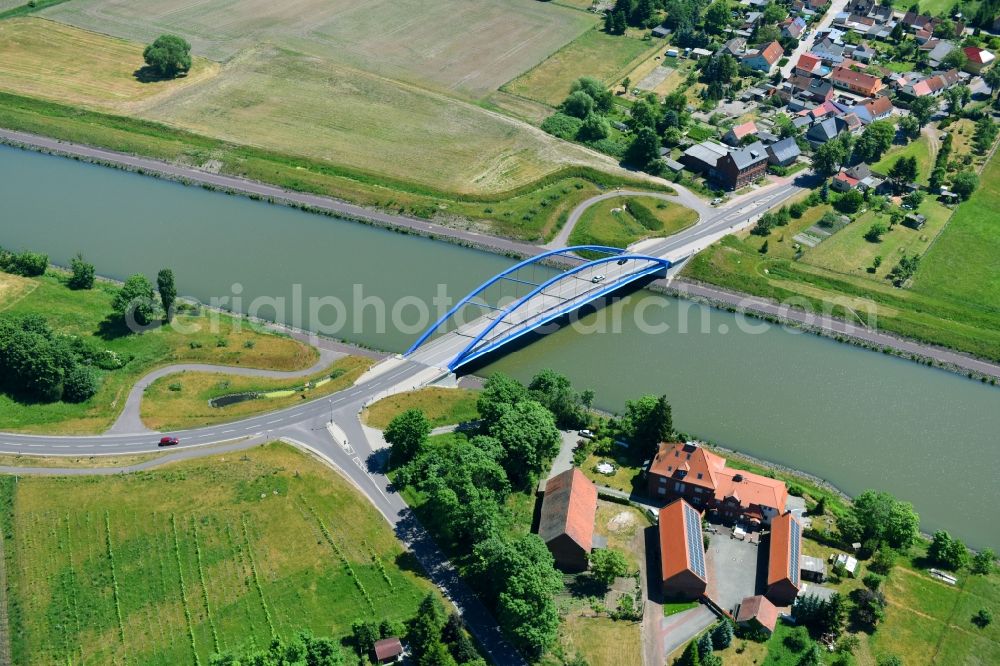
(526, 296)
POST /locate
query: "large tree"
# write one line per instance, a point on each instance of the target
(530, 438)
(874, 141)
(829, 157)
(922, 108)
(644, 150)
(168, 56)
(648, 421)
(406, 434)
(135, 301)
(555, 392)
(717, 17)
(168, 292)
(499, 393)
(607, 564)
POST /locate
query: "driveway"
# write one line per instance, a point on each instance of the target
(733, 566)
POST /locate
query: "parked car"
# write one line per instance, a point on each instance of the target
(588, 434)
(716, 201)
(169, 441)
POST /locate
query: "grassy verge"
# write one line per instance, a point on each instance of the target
(90, 462)
(622, 221)
(533, 211)
(180, 401)
(442, 406)
(213, 338)
(264, 551)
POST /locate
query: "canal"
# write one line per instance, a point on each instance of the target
(856, 418)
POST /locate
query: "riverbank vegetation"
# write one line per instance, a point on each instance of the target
(621, 221)
(116, 358)
(180, 401)
(101, 569)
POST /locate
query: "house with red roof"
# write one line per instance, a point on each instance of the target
(757, 613)
(683, 573)
(692, 472)
(566, 524)
(808, 65)
(879, 108)
(784, 560)
(857, 82)
(977, 59)
(735, 136)
(764, 58)
(843, 182)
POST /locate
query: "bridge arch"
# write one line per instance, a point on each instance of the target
(550, 299)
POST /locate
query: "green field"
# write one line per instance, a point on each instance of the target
(469, 45)
(223, 553)
(595, 53)
(441, 406)
(227, 341)
(964, 264)
(611, 223)
(180, 401)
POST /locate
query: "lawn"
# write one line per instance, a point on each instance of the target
(847, 251)
(623, 527)
(60, 62)
(215, 338)
(473, 46)
(611, 223)
(107, 569)
(919, 148)
(601, 640)
(929, 621)
(180, 401)
(442, 406)
(626, 475)
(594, 53)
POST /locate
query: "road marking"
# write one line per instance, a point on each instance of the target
(230, 430)
(270, 422)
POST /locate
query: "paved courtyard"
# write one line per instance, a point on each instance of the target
(736, 569)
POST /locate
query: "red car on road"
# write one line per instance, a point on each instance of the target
(168, 441)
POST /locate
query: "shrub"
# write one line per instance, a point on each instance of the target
(25, 264)
(563, 126)
(80, 384)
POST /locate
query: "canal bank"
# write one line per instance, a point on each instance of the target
(854, 417)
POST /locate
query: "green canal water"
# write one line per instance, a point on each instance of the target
(856, 418)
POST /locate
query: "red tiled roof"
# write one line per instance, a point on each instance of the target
(388, 648)
(807, 62)
(978, 55)
(847, 179)
(854, 79)
(772, 52)
(780, 555)
(921, 88)
(674, 557)
(878, 106)
(569, 507)
(758, 608)
(745, 129)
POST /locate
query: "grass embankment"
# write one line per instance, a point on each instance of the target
(180, 401)
(952, 301)
(622, 221)
(129, 567)
(441, 406)
(531, 212)
(595, 53)
(215, 338)
(46, 59)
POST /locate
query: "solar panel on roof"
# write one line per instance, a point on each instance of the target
(795, 546)
(695, 546)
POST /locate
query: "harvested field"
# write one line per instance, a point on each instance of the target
(279, 100)
(471, 45)
(59, 62)
(595, 53)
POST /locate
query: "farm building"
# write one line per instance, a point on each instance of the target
(388, 650)
(757, 612)
(784, 560)
(682, 552)
(567, 519)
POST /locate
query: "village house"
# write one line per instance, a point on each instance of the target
(735, 47)
(809, 65)
(692, 472)
(856, 82)
(793, 28)
(757, 613)
(683, 574)
(939, 52)
(815, 90)
(764, 58)
(566, 524)
(977, 59)
(741, 166)
(735, 136)
(784, 152)
(784, 560)
(879, 108)
(823, 131)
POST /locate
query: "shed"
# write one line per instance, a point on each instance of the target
(914, 221)
(660, 31)
(673, 165)
(757, 612)
(567, 519)
(813, 568)
(388, 650)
